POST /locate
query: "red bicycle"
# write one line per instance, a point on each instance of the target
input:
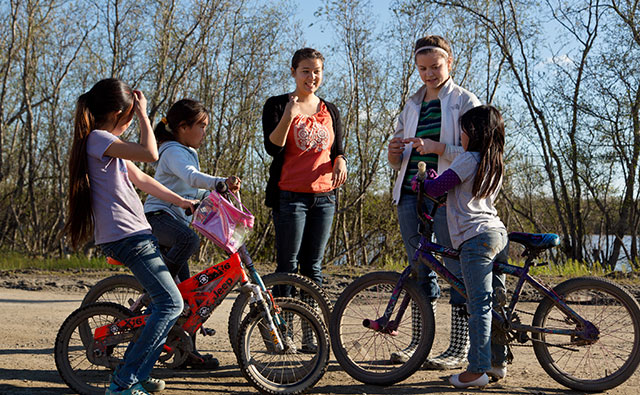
(92, 340)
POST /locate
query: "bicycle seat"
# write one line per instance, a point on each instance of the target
(536, 241)
(113, 261)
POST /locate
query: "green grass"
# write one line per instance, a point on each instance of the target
(571, 268)
(17, 261)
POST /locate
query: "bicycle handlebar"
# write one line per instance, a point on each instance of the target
(188, 211)
(438, 201)
(222, 187)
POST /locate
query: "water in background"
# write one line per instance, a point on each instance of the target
(605, 245)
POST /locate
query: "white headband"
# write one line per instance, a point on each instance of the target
(430, 47)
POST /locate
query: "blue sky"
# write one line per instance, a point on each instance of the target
(312, 26)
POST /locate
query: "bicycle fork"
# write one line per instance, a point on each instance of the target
(384, 324)
(270, 333)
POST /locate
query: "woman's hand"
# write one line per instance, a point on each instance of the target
(292, 109)
(140, 103)
(233, 183)
(425, 146)
(339, 175)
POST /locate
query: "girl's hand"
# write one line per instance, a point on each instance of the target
(425, 146)
(396, 146)
(188, 204)
(339, 175)
(233, 183)
(431, 175)
(292, 109)
(140, 103)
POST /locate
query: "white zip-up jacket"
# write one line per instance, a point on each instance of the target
(454, 101)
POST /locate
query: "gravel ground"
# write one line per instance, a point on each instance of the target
(34, 304)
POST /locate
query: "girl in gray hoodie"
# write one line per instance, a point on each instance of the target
(179, 134)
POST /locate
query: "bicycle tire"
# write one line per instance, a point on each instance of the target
(72, 357)
(289, 372)
(241, 305)
(364, 353)
(613, 358)
(122, 289)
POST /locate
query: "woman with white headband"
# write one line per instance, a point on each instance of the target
(428, 130)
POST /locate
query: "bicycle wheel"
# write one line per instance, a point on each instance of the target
(291, 371)
(365, 353)
(584, 365)
(87, 369)
(122, 289)
(304, 288)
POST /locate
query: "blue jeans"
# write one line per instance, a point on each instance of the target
(303, 225)
(140, 254)
(182, 242)
(476, 259)
(409, 222)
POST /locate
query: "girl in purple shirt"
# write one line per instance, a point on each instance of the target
(101, 172)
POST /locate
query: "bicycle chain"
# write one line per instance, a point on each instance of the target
(530, 345)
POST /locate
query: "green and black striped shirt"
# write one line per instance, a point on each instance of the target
(428, 127)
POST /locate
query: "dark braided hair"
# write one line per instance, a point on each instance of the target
(485, 128)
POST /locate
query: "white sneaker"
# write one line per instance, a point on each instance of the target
(497, 372)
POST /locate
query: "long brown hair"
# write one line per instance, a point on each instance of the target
(93, 108)
(485, 128)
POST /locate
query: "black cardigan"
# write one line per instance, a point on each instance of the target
(271, 115)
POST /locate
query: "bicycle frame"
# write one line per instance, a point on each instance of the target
(424, 255)
(202, 293)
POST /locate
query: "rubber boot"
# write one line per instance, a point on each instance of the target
(456, 355)
(403, 356)
(309, 344)
(288, 333)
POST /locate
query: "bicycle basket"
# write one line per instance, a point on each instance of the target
(222, 222)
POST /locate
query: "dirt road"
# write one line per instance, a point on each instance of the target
(30, 320)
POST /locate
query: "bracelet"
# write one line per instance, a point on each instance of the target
(343, 157)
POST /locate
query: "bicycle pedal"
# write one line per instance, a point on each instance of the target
(207, 331)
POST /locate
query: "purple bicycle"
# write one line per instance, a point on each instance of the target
(585, 331)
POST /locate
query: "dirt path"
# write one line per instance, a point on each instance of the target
(30, 320)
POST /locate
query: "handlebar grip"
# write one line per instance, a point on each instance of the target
(422, 171)
(188, 211)
(222, 187)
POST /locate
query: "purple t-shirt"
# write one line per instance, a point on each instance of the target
(117, 209)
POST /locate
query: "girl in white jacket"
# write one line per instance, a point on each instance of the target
(428, 130)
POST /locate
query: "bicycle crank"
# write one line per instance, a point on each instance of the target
(176, 349)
